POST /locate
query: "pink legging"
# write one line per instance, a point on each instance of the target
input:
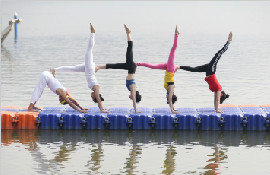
(169, 66)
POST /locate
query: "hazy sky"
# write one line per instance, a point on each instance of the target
(70, 17)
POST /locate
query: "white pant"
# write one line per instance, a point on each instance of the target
(77, 68)
(46, 79)
(89, 69)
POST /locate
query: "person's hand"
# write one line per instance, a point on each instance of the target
(219, 111)
(83, 111)
(127, 29)
(52, 70)
(230, 37)
(176, 31)
(175, 112)
(137, 111)
(104, 111)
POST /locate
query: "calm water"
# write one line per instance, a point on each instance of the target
(135, 152)
(53, 34)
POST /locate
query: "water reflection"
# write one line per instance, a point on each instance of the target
(6, 53)
(54, 150)
(169, 163)
(132, 160)
(96, 157)
(214, 162)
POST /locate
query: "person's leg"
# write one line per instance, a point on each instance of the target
(42, 83)
(89, 64)
(129, 53)
(162, 66)
(195, 69)
(215, 59)
(77, 68)
(170, 63)
(116, 66)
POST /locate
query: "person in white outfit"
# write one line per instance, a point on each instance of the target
(47, 79)
(89, 68)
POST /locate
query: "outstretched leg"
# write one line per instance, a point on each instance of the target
(162, 66)
(215, 59)
(170, 63)
(131, 66)
(89, 64)
(77, 68)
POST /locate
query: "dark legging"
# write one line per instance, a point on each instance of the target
(129, 65)
(209, 68)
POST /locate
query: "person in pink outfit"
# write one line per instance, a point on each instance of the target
(169, 73)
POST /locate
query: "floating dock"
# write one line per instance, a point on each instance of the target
(234, 118)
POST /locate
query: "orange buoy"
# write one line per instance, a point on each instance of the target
(250, 105)
(27, 120)
(227, 105)
(266, 105)
(8, 120)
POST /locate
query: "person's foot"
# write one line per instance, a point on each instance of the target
(52, 70)
(230, 37)
(96, 68)
(92, 28)
(37, 108)
(176, 31)
(176, 68)
(127, 29)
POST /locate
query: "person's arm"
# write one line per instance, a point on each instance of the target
(96, 92)
(74, 101)
(133, 95)
(171, 91)
(71, 104)
(217, 101)
(202, 68)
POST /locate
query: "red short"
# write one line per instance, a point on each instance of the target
(213, 83)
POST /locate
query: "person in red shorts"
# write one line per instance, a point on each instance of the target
(211, 78)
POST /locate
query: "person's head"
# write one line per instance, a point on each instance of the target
(94, 97)
(62, 100)
(223, 96)
(138, 97)
(174, 99)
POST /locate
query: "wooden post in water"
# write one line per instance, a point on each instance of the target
(6, 31)
(16, 27)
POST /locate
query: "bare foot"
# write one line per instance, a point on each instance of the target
(37, 108)
(176, 31)
(176, 68)
(52, 70)
(92, 28)
(230, 37)
(127, 29)
(96, 68)
(32, 110)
